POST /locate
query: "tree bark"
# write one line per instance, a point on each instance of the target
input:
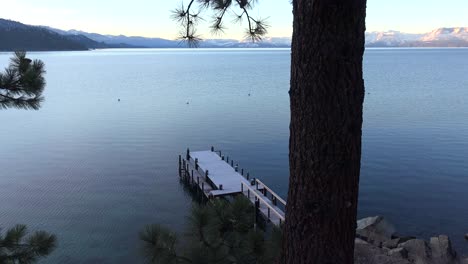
(327, 93)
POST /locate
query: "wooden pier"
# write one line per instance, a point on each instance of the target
(216, 175)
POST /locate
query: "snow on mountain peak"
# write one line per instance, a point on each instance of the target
(447, 34)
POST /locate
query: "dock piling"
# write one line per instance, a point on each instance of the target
(180, 165)
(204, 167)
(257, 208)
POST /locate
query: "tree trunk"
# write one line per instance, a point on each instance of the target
(327, 93)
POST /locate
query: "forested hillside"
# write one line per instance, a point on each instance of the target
(17, 36)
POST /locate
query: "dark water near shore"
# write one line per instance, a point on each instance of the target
(95, 171)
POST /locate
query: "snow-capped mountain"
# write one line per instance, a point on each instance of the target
(447, 34)
(442, 37)
(165, 43)
(390, 38)
(41, 37)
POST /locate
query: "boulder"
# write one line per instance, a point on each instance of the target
(359, 241)
(392, 243)
(375, 230)
(418, 251)
(376, 242)
(442, 251)
(371, 238)
(366, 253)
(376, 224)
(406, 238)
(398, 252)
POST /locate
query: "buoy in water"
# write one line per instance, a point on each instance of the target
(118, 99)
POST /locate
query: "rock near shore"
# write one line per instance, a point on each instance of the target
(377, 243)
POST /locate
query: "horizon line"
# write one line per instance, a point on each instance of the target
(219, 38)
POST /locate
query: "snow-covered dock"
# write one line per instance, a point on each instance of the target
(215, 175)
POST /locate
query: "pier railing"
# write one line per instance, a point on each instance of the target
(263, 186)
(259, 197)
(266, 201)
(266, 189)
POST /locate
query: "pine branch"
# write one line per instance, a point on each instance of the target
(14, 248)
(22, 83)
(257, 28)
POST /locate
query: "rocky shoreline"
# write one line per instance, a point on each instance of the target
(377, 243)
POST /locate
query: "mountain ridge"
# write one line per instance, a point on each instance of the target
(147, 42)
(441, 37)
(17, 36)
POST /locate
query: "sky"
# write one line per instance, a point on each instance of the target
(151, 18)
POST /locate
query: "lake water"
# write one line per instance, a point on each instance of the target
(94, 170)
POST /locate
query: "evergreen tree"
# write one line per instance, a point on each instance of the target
(326, 95)
(16, 247)
(22, 83)
(219, 232)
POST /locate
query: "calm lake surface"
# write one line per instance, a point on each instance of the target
(94, 170)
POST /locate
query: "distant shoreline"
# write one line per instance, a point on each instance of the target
(225, 48)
